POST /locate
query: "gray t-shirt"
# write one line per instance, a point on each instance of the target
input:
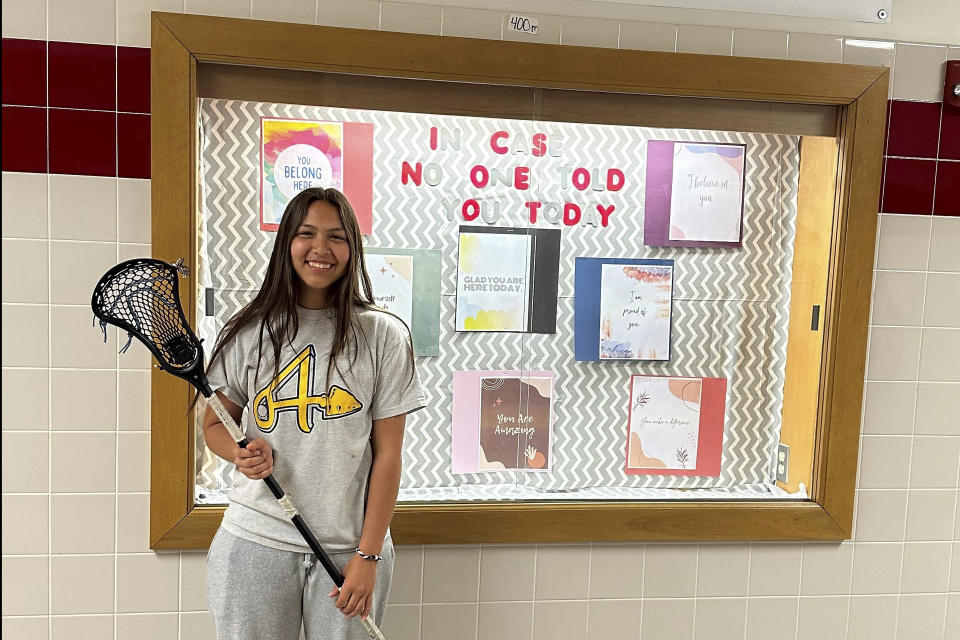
(320, 432)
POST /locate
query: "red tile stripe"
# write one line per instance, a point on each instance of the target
(921, 159)
(76, 108)
(85, 109)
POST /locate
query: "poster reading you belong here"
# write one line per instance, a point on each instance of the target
(298, 154)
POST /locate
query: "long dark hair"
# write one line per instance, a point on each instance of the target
(275, 306)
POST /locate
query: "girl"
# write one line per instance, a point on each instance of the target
(323, 381)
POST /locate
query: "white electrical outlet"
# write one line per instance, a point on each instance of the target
(783, 462)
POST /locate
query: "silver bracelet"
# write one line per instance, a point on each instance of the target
(366, 556)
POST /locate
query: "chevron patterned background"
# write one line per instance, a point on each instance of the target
(730, 310)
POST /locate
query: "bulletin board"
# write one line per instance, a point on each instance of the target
(730, 304)
(812, 138)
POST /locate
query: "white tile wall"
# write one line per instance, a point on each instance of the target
(471, 23)
(722, 570)
(815, 47)
(881, 515)
(826, 568)
(497, 620)
(921, 616)
(563, 572)
(759, 43)
(872, 618)
(616, 570)
(26, 524)
(610, 618)
(92, 21)
(560, 619)
(74, 474)
(772, 618)
(924, 81)
(304, 11)
(27, 259)
(82, 523)
(26, 399)
(227, 8)
(720, 619)
(24, 20)
(668, 619)
(774, 569)
(717, 41)
(822, 617)
(590, 32)
(66, 627)
(498, 561)
(358, 14)
(410, 18)
(133, 19)
(648, 36)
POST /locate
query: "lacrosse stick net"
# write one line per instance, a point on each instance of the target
(141, 296)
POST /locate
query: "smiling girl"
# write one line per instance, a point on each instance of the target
(323, 381)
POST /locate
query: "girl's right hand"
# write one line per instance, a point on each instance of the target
(256, 460)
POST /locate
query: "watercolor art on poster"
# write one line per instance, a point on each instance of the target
(298, 154)
(675, 425)
(635, 306)
(502, 421)
(392, 279)
(694, 194)
(707, 194)
(295, 155)
(492, 282)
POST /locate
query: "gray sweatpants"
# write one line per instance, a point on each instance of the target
(256, 592)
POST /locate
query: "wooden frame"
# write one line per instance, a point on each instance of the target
(855, 94)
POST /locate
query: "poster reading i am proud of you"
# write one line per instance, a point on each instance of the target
(298, 154)
(635, 304)
(623, 309)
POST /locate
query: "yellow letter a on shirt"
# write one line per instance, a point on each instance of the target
(336, 403)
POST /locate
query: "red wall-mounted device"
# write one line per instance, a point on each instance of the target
(951, 85)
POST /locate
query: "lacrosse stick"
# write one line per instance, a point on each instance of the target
(141, 297)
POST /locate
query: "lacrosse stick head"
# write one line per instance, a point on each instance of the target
(141, 296)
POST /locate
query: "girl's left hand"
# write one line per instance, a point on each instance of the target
(356, 595)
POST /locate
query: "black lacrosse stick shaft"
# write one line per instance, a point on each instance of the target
(302, 527)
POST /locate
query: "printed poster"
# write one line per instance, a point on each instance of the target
(392, 279)
(707, 199)
(493, 272)
(635, 305)
(502, 421)
(298, 154)
(694, 194)
(623, 309)
(407, 282)
(675, 425)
